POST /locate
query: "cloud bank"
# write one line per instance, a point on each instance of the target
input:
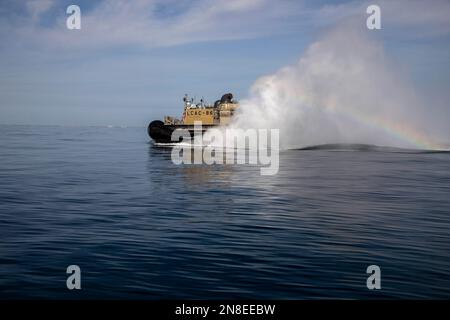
(156, 23)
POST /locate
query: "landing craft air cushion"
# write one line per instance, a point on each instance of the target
(218, 114)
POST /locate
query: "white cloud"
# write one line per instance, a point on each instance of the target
(154, 23)
(410, 18)
(139, 22)
(418, 17)
(37, 7)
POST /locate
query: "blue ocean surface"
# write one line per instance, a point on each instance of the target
(141, 227)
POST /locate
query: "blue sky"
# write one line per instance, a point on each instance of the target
(132, 61)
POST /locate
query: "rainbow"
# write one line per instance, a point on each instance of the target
(400, 130)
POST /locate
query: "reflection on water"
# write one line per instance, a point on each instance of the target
(141, 227)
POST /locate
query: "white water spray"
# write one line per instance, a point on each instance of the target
(343, 90)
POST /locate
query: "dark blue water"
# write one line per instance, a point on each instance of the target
(141, 227)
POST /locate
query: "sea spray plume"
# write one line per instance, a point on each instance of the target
(343, 90)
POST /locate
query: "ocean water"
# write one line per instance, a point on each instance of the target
(140, 227)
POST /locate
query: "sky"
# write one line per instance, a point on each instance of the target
(132, 61)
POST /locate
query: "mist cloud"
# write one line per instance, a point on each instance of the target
(344, 89)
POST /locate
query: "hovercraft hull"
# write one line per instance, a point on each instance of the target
(162, 133)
